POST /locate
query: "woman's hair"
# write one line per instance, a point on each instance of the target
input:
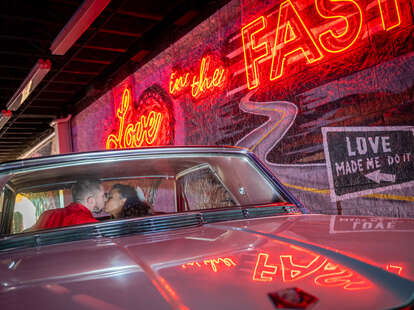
(133, 206)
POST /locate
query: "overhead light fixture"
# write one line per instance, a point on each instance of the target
(4, 117)
(36, 75)
(77, 25)
(38, 146)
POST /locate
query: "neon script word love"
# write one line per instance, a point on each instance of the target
(134, 135)
(205, 81)
(293, 36)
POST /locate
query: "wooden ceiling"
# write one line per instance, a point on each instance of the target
(127, 34)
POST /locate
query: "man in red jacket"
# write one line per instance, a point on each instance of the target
(88, 196)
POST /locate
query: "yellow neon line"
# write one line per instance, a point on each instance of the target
(377, 196)
(273, 128)
(309, 189)
(391, 197)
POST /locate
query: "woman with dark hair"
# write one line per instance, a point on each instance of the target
(123, 201)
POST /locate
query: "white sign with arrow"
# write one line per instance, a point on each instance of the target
(377, 176)
(364, 160)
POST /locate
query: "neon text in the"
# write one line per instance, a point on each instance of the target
(210, 76)
(178, 82)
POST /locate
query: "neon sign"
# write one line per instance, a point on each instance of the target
(390, 14)
(292, 36)
(295, 43)
(145, 130)
(320, 269)
(211, 75)
(394, 269)
(213, 264)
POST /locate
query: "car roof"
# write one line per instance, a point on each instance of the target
(7, 167)
(63, 170)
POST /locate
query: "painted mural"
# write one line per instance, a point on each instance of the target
(270, 76)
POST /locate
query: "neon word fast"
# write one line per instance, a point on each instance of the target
(320, 269)
(293, 37)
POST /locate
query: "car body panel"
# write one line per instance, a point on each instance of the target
(225, 265)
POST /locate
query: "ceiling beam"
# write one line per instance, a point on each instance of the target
(120, 33)
(12, 66)
(33, 20)
(92, 61)
(17, 134)
(25, 54)
(48, 100)
(37, 116)
(18, 129)
(80, 72)
(69, 82)
(155, 39)
(54, 91)
(103, 48)
(155, 17)
(28, 123)
(20, 38)
(15, 139)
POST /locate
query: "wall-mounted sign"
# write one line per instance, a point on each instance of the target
(133, 134)
(294, 38)
(353, 224)
(150, 123)
(210, 76)
(363, 160)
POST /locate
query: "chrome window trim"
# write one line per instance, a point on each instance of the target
(141, 225)
(273, 179)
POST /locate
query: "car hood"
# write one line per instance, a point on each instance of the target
(299, 261)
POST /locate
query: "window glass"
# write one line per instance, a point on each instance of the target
(203, 190)
(29, 206)
(158, 193)
(159, 186)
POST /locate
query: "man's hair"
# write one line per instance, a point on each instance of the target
(83, 188)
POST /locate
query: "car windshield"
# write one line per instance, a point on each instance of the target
(160, 184)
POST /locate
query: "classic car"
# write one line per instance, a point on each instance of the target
(223, 233)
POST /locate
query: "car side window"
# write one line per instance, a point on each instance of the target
(29, 206)
(158, 193)
(202, 189)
